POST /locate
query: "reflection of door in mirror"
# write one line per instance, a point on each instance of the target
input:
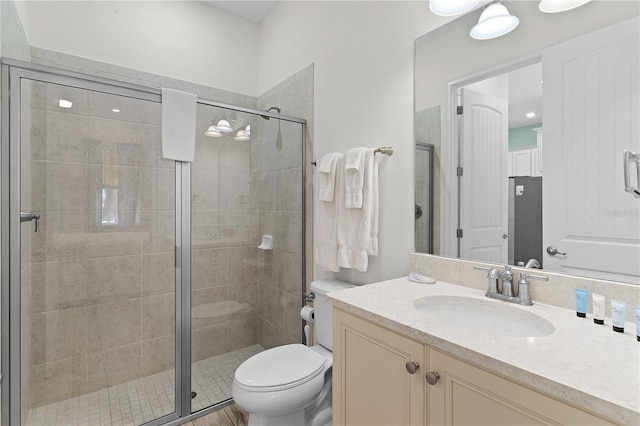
(592, 103)
(424, 197)
(483, 177)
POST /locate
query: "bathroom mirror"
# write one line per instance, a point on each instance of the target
(599, 222)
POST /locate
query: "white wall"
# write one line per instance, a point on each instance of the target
(363, 56)
(181, 39)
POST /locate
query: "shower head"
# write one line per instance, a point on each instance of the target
(277, 108)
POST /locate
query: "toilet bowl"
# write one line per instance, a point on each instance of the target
(290, 385)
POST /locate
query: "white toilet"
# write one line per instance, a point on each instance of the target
(290, 385)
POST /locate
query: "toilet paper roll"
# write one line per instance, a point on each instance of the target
(307, 314)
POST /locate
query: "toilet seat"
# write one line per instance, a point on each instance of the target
(279, 368)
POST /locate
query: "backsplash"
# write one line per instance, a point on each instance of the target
(558, 291)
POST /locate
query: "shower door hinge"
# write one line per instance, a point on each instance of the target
(459, 171)
(459, 233)
(459, 110)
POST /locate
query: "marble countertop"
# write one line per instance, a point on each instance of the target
(583, 363)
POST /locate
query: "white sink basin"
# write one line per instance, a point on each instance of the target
(493, 318)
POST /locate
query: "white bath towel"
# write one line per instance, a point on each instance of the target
(326, 168)
(325, 227)
(178, 124)
(354, 177)
(355, 225)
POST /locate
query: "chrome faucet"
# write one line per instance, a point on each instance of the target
(506, 277)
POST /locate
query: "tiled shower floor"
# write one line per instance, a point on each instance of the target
(144, 399)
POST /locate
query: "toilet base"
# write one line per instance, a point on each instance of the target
(291, 419)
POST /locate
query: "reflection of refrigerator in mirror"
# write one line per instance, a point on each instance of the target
(525, 219)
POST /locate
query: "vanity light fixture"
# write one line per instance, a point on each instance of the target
(451, 7)
(212, 132)
(63, 103)
(557, 6)
(495, 21)
(243, 134)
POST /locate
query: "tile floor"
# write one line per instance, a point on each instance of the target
(150, 397)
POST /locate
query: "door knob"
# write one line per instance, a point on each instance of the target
(505, 236)
(412, 367)
(553, 250)
(432, 377)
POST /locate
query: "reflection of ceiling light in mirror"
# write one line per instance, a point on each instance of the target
(531, 114)
(62, 103)
(556, 6)
(212, 132)
(115, 110)
(451, 7)
(224, 126)
(244, 134)
(495, 21)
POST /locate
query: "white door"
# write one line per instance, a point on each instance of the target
(484, 184)
(591, 109)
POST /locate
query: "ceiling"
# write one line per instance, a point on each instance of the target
(254, 11)
(525, 95)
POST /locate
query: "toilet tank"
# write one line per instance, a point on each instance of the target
(323, 311)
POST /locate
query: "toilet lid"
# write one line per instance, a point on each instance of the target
(282, 365)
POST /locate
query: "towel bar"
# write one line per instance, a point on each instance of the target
(385, 150)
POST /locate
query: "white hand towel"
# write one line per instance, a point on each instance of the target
(355, 225)
(326, 168)
(354, 177)
(325, 227)
(178, 125)
(375, 205)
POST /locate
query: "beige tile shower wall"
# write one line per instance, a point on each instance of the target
(278, 153)
(103, 278)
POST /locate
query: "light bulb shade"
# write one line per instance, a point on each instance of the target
(557, 6)
(212, 132)
(451, 7)
(224, 126)
(495, 21)
(242, 136)
(247, 130)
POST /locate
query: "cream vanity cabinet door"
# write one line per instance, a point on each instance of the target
(468, 395)
(371, 382)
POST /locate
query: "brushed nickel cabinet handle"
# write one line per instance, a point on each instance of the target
(412, 367)
(432, 377)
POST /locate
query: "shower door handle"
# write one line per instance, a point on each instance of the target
(28, 217)
(628, 157)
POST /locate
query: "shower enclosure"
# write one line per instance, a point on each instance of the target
(132, 285)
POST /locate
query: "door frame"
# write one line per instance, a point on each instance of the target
(13, 71)
(450, 188)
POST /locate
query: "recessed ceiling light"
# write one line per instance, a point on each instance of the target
(63, 103)
(115, 110)
(531, 114)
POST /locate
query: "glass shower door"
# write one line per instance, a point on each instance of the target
(98, 277)
(246, 183)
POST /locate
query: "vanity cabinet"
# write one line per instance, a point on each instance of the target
(372, 385)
